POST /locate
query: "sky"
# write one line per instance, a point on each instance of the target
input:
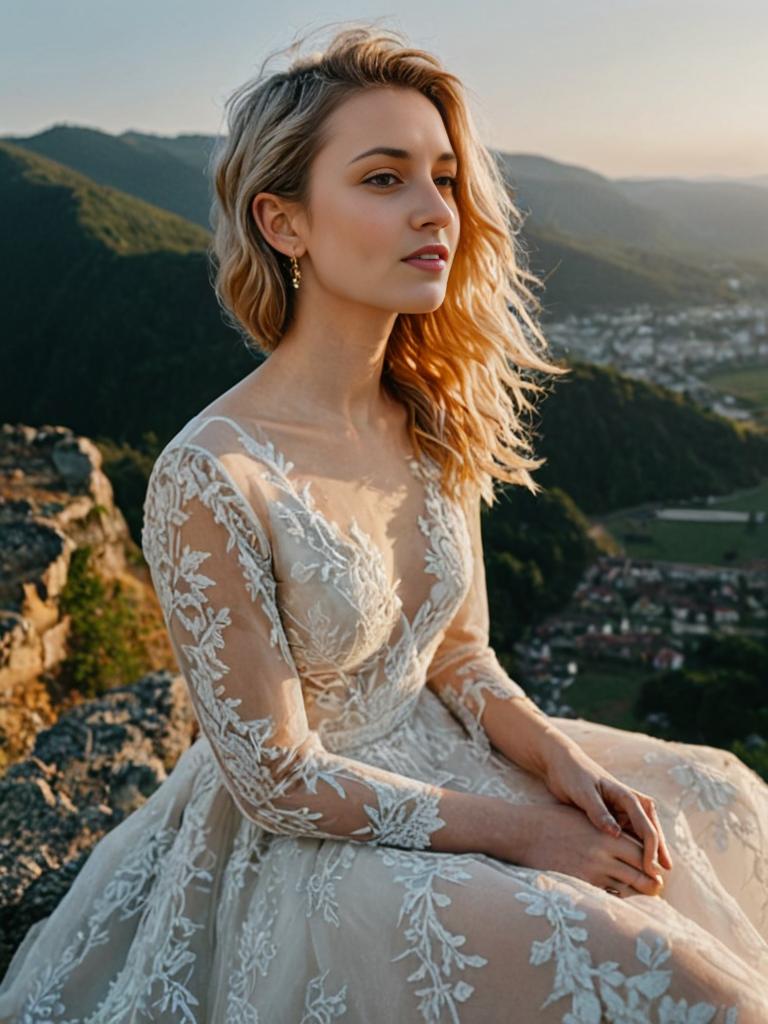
(628, 88)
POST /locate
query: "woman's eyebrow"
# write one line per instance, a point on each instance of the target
(400, 154)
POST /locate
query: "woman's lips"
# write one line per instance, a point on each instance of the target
(430, 265)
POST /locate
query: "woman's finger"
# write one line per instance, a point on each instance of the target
(642, 824)
(663, 847)
(595, 808)
(638, 880)
(628, 830)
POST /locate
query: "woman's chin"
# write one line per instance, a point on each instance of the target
(423, 304)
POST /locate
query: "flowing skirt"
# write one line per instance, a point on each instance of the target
(188, 912)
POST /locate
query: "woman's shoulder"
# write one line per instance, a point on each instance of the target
(228, 434)
(225, 455)
(201, 473)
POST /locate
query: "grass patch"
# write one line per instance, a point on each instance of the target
(606, 692)
(728, 544)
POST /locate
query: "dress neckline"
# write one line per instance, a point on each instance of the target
(352, 537)
(416, 461)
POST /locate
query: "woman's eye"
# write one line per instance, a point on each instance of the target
(384, 174)
(388, 174)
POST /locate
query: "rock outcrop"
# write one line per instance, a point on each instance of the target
(85, 774)
(54, 499)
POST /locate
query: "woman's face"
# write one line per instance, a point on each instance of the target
(369, 210)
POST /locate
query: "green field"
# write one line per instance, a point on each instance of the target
(606, 691)
(750, 383)
(728, 544)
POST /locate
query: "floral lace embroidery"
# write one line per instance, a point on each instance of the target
(261, 773)
(333, 862)
(467, 701)
(604, 991)
(709, 790)
(255, 946)
(358, 706)
(441, 992)
(592, 988)
(596, 992)
(126, 894)
(320, 1008)
(156, 881)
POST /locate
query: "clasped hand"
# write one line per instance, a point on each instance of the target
(575, 778)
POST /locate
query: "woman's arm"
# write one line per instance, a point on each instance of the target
(211, 565)
(466, 674)
(468, 677)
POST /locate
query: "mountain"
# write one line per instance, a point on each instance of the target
(581, 277)
(594, 245)
(581, 204)
(753, 179)
(111, 324)
(730, 219)
(169, 173)
(194, 150)
(703, 223)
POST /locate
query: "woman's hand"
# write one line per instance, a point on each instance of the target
(553, 837)
(575, 778)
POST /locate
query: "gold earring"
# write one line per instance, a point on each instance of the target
(295, 272)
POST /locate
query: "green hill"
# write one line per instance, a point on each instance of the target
(111, 324)
(612, 441)
(581, 277)
(165, 172)
(726, 217)
(575, 202)
(713, 226)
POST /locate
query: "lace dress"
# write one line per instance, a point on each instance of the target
(282, 873)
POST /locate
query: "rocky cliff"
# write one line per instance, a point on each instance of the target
(55, 499)
(97, 764)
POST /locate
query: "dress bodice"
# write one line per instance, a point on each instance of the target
(308, 607)
(361, 642)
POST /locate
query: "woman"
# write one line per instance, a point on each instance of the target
(376, 823)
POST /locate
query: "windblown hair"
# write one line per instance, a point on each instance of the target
(456, 369)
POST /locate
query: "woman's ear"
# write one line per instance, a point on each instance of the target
(273, 217)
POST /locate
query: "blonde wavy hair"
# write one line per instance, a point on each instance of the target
(458, 369)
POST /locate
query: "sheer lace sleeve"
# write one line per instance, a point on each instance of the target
(465, 669)
(211, 565)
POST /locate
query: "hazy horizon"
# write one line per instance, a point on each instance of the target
(628, 89)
